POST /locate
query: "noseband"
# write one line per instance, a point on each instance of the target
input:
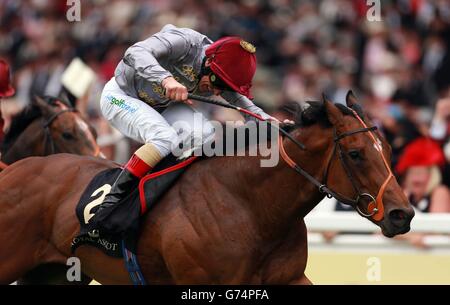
(375, 207)
(49, 142)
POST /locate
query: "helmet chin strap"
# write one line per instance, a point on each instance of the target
(204, 70)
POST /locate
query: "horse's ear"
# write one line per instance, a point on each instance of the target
(46, 109)
(350, 99)
(333, 113)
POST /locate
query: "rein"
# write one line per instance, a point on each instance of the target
(375, 206)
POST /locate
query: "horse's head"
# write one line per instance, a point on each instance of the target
(362, 174)
(65, 130)
(47, 126)
(356, 163)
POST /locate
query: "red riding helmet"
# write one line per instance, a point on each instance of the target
(420, 152)
(6, 90)
(233, 60)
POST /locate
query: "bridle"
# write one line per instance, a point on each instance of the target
(376, 206)
(49, 142)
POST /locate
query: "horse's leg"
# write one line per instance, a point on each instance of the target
(287, 263)
(15, 261)
(23, 229)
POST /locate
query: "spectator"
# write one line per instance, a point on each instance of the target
(6, 90)
(440, 131)
(440, 125)
(420, 169)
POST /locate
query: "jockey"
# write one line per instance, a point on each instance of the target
(161, 70)
(6, 90)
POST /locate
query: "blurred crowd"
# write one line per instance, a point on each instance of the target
(399, 67)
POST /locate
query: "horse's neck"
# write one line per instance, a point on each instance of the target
(275, 195)
(29, 143)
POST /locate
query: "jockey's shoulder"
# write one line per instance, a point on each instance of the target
(186, 32)
(172, 28)
(168, 27)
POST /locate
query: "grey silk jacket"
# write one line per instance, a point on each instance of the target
(173, 51)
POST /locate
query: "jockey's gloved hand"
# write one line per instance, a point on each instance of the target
(175, 91)
(286, 121)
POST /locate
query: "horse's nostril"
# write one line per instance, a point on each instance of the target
(399, 217)
(398, 214)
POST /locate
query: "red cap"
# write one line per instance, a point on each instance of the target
(420, 152)
(234, 61)
(6, 90)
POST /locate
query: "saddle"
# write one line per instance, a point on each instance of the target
(151, 188)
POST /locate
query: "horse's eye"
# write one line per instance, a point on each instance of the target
(354, 155)
(67, 136)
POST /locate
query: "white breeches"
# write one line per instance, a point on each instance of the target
(178, 123)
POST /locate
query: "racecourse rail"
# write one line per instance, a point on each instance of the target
(352, 222)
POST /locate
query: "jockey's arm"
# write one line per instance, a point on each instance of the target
(245, 103)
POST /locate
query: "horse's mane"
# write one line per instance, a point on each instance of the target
(23, 119)
(315, 113)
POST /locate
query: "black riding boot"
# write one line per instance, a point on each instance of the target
(124, 183)
(104, 220)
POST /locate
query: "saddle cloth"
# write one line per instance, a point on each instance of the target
(151, 188)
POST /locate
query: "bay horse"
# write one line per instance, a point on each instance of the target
(226, 220)
(48, 126)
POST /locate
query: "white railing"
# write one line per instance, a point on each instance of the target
(435, 227)
(352, 222)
